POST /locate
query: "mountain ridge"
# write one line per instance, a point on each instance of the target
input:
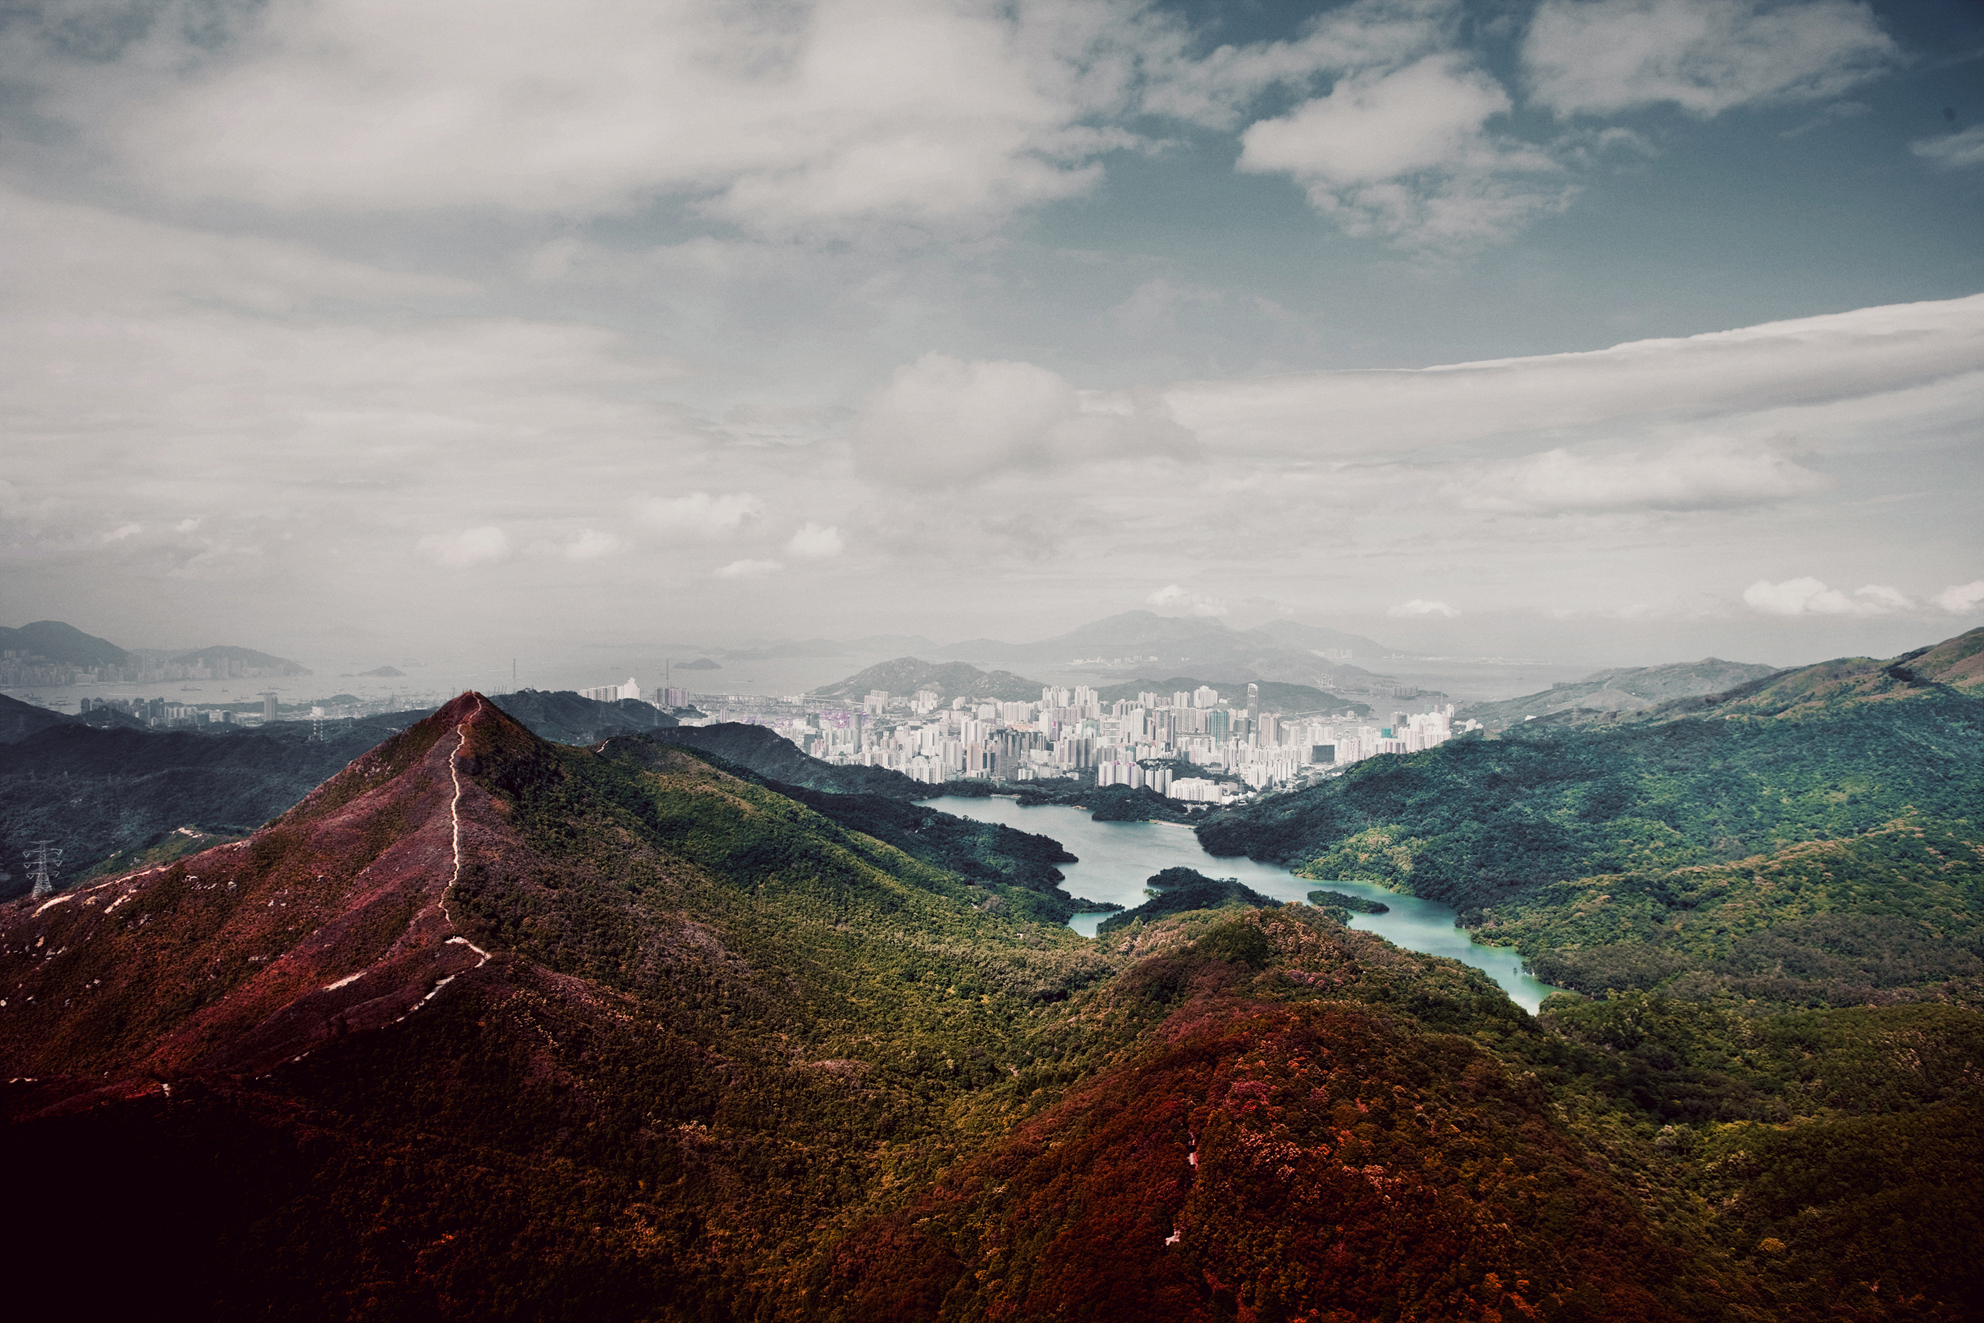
(490, 1026)
(902, 676)
(1621, 689)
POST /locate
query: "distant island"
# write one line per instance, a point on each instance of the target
(49, 652)
(1182, 889)
(238, 663)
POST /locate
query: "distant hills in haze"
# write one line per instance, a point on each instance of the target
(54, 641)
(950, 680)
(64, 644)
(1622, 689)
(1143, 640)
(241, 659)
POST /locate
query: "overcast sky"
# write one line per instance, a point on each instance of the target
(1623, 329)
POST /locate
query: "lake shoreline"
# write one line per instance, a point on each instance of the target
(1116, 858)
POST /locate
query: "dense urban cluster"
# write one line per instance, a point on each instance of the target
(1152, 740)
(25, 667)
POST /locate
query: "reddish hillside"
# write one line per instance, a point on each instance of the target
(330, 919)
(1313, 1159)
(488, 1027)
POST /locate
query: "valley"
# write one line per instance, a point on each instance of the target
(491, 1026)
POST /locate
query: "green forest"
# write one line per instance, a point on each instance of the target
(739, 1049)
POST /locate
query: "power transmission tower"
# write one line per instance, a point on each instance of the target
(41, 867)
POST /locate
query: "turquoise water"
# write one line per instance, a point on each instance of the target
(1117, 857)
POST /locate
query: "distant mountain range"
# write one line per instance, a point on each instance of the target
(1144, 640)
(54, 641)
(951, 680)
(1622, 689)
(220, 657)
(57, 642)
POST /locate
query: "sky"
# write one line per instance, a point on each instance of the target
(1619, 330)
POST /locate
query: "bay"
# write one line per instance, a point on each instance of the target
(1118, 857)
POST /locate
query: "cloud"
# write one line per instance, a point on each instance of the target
(1171, 597)
(1698, 475)
(1601, 57)
(702, 514)
(1216, 88)
(1406, 153)
(123, 531)
(748, 569)
(774, 115)
(816, 540)
(1811, 597)
(471, 546)
(1828, 115)
(591, 544)
(1419, 606)
(942, 421)
(1154, 306)
(1959, 599)
(1955, 151)
(1813, 361)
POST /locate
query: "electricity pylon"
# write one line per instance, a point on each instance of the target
(41, 867)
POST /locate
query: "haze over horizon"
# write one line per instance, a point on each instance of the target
(1615, 331)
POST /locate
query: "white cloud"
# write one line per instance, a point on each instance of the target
(591, 544)
(701, 513)
(1811, 597)
(1215, 89)
(1406, 152)
(942, 421)
(1825, 360)
(1953, 151)
(1697, 475)
(123, 531)
(1601, 57)
(471, 546)
(799, 112)
(1171, 597)
(1419, 606)
(1154, 306)
(1959, 599)
(748, 569)
(816, 541)
(1880, 597)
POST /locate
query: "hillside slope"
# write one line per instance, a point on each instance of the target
(19, 720)
(566, 717)
(1622, 689)
(489, 1027)
(1953, 667)
(1822, 752)
(771, 755)
(104, 791)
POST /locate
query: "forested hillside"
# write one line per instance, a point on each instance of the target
(490, 1027)
(1474, 821)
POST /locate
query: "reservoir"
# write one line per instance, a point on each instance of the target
(1116, 858)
